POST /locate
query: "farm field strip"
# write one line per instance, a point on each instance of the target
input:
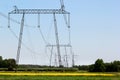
(58, 78)
(54, 74)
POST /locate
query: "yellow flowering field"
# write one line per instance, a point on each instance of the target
(54, 74)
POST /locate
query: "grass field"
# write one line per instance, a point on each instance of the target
(58, 76)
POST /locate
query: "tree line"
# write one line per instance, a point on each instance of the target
(100, 66)
(10, 64)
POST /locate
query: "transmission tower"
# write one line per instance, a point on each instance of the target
(24, 12)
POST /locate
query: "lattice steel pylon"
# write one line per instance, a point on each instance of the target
(41, 11)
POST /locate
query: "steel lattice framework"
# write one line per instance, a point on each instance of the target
(39, 11)
(43, 11)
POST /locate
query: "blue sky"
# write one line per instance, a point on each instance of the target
(95, 30)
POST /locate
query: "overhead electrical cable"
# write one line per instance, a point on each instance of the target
(41, 33)
(31, 44)
(14, 34)
(13, 20)
(42, 36)
(29, 49)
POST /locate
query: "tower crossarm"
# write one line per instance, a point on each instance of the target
(38, 11)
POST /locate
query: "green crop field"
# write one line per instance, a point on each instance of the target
(57, 78)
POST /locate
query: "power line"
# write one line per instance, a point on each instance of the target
(15, 21)
(42, 36)
(29, 49)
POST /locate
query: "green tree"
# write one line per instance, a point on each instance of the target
(113, 66)
(91, 68)
(11, 64)
(5, 63)
(109, 67)
(116, 66)
(1, 61)
(99, 66)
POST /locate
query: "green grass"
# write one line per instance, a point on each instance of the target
(56, 78)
